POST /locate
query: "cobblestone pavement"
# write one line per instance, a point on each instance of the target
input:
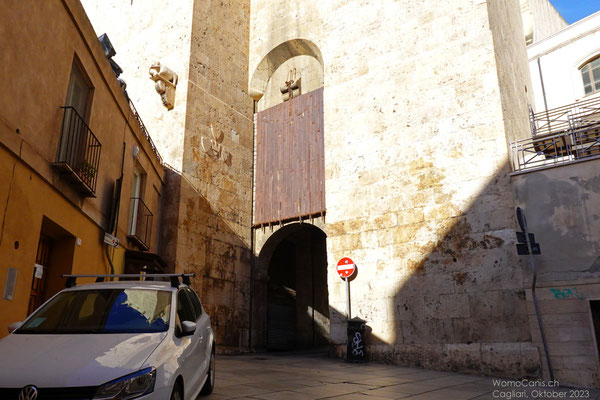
(275, 376)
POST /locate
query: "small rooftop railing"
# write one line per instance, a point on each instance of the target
(560, 135)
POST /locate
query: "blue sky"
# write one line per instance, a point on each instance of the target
(574, 10)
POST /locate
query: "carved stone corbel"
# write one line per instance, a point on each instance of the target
(214, 147)
(165, 83)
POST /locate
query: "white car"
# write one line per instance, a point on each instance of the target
(114, 340)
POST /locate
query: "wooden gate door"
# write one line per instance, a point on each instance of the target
(38, 283)
(290, 164)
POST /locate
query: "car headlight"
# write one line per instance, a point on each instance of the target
(129, 386)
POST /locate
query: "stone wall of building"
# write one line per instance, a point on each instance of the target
(417, 185)
(306, 68)
(557, 61)
(216, 188)
(142, 33)
(38, 200)
(546, 20)
(207, 138)
(561, 205)
(514, 81)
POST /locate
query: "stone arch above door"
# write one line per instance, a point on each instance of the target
(299, 54)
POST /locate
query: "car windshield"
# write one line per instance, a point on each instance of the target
(102, 311)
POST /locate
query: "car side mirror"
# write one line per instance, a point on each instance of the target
(14, 326)
(188, 328)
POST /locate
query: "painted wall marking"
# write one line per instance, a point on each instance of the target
(569, 293)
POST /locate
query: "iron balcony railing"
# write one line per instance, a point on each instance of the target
(140, 225)
(78, 153)
(560, 135)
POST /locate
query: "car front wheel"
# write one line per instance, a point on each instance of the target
(210, 379)
(177, 394)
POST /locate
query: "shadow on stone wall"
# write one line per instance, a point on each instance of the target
(194, 238)
(458, 301)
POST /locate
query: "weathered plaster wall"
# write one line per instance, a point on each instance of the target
(216, 194)
(561, 205)
(416, 174)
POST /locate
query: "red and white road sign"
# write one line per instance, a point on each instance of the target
(345, 267)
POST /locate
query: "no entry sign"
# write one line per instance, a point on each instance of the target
(345, 267)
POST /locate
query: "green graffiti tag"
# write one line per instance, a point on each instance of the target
(571, 293)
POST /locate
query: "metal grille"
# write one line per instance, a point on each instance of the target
(67, 393)
(290, 168)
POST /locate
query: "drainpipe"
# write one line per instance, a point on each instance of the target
(542, 82)
(544, 92)
(116, 207)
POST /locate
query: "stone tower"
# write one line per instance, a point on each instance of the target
(206, 139)
(412, 104)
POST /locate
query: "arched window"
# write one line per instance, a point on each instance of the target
(590, 73)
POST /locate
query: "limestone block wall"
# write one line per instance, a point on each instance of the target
(307, 68)
(142, 33)
(207, 138)
(546, 20)
(417, 187)
(216, 187)
(516, 92)
(561, 205)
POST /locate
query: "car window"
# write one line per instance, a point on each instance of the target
(102, 311)
(195, 302)
(185, 310)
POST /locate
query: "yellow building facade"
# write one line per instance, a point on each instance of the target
(76, 161)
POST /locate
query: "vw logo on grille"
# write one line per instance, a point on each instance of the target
(29, 392)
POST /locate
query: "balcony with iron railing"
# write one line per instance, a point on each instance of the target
(559, 136)
(140, 223)
(78, 154)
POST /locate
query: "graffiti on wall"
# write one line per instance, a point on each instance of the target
(570, 293)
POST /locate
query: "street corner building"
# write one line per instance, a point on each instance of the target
(77, 167)
(399, 134)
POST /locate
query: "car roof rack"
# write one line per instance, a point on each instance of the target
(72, 279)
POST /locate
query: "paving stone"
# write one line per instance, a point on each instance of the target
(301, 376)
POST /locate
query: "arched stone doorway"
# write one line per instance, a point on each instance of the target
(293, 306)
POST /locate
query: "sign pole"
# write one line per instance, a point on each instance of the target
(523, 224)
(348, 298)
(346, 268)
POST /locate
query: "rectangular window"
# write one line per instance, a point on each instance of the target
(135, 195)
(76, 116)
(590, 75)
(140, 216)
(78, 152)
